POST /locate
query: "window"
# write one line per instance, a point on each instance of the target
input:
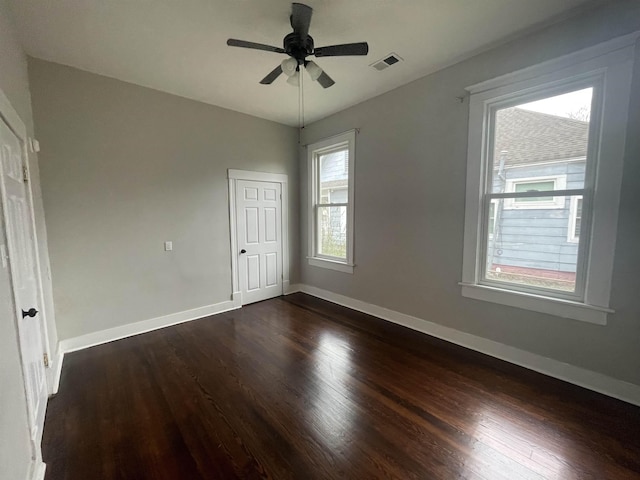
(575, 220)
(539, 142)
(492, 218)
(535, 184)
(544, 170)
(331, 167)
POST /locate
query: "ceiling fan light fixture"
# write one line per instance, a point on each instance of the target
(298, 45)
(314, 70)
(289, 66)
(294, 79)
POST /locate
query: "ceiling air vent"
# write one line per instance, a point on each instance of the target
(387, 61)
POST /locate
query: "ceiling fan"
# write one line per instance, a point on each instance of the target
(299, 45)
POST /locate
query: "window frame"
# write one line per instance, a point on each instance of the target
(314, 151)
(559, 183)
(608, 68)
(516, 97)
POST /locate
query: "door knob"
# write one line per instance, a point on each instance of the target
(243, 251)
(31, 313)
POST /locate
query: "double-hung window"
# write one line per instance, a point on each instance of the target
(331, 167)
(544, 170)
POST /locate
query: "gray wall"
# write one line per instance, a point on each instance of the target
(15, 450)
(125, 168)
(409, 206)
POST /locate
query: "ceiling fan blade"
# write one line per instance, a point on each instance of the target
(275, 73)
(361, 48)
(232, 42)
(301, 19)
(325, 80)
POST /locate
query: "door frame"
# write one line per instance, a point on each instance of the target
(234, 175)
(10, 116)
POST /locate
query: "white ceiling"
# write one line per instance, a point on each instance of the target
(178, 46)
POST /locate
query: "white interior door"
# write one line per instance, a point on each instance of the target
(22, 262)
(259, 235)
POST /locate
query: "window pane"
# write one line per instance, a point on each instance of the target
(334, 177)
(545, 138)
(535, 186)
(530, 247)
(545, 186)
(332, 231)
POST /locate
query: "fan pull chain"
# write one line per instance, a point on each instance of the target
(302, 95)
(299, 109)
(300, 105)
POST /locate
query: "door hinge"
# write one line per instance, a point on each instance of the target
(45, 357)
(25, 176)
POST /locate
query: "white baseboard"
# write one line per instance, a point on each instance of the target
(591, 380)
(292, 288)
(57, 371)
(236, 298)
(37, 470)
(116, 333)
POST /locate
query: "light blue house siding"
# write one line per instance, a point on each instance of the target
(334, 169)
(538, 238)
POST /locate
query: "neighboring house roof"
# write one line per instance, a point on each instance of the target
(532, 137)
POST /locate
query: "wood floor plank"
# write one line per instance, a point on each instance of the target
(299, 388)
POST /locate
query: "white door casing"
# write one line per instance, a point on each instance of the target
(258, 222)
(18, 218)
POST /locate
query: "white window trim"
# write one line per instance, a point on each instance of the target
(348, 138)
(612, 61)
(571, 229)
(559, 183)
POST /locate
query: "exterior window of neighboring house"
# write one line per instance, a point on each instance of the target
(536, 184)
(492, 217)
(536, 180)
(575, 220)
(331, 167)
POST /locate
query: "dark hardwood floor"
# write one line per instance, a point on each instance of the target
(299, 388)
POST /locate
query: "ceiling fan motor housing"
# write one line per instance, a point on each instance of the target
(298, 48)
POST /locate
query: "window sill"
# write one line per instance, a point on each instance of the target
(538, 303)
(331, 264)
